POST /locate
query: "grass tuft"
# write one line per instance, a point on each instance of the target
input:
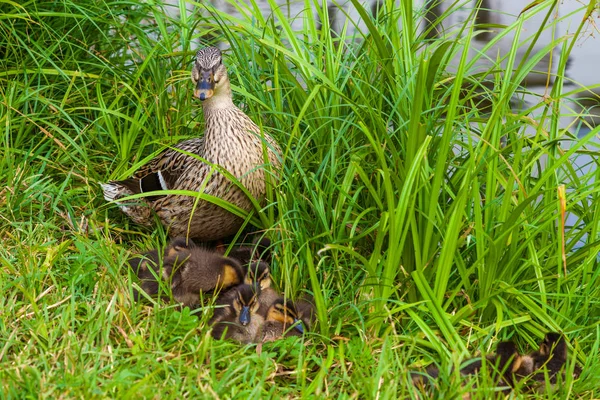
(427, 215)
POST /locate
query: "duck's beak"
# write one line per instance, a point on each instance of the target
(205, 87)
(299, 327)
(245, 315)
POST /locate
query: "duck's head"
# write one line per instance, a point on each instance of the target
(208, 73)
(285, 312)
(245, 303)
(259, 274)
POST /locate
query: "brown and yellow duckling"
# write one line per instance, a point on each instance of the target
(147, 266)
(511, 369)
(231, 141)
(281, 321)
(259, 273)
(501, 366)
(548, 362)
(189, 271)
(305, 309)
(236, 316)
(552, 353)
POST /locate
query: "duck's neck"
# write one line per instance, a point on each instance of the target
(223, 121)
(220, 100)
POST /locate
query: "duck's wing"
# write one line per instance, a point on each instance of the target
(174, 160)
(163, 171)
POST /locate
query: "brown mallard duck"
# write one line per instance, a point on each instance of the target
(231, 140)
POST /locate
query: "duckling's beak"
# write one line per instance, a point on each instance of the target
(205, 87)
(299, 327)
(245, 315)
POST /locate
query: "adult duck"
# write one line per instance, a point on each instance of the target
(231, 140)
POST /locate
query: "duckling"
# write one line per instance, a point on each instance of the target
(190, 270)
(147, 265)
(501, 365)
(552, 353)
(203, 271)
(420, 379)
(503, 360)
(139, 264)
(281, 320)
(231, 142)
(258, 272)
(179, 244)
(306, 311)
(238, 316)
(549, 361)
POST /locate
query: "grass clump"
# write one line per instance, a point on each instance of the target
(426, 224)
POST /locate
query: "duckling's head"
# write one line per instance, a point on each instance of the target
(245, 303)
(208, 73)
(506, 350)
(259, 273)
(179, 245)
(554, 345)
(285, 313)
(510, 361)
(306, 311)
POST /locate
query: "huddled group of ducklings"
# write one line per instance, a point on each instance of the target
(247, 310)
(510, 369)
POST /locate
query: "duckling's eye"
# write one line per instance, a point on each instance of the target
(253, 301)
(280, 308)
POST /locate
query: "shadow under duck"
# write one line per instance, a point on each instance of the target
(231, 140)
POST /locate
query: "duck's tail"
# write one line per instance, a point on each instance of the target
(112, 191)
(138, 210)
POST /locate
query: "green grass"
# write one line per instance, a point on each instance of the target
(426, 227)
